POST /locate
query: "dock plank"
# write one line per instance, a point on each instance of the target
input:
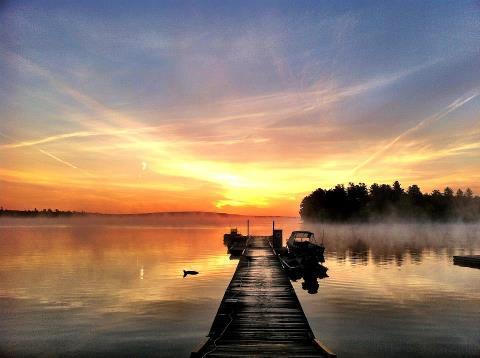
(260, 313)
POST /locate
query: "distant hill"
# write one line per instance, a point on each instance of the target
(61, 213)
(200, 213)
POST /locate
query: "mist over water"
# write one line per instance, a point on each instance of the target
(115, 285)
(396, 241)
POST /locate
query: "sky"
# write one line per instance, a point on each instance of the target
(239, 107)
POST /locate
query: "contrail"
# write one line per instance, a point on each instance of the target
(113, 117)
(48, 139)
(79, 134)
(58, 159)
(446, 111)
(68, 164)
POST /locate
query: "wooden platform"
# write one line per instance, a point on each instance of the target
(468, 261)
(260, 314)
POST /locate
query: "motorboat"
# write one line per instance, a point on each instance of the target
(303, 243)
(289, 262)
(237, 247)
(233, 236)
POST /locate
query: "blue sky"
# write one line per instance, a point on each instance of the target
(218, 95)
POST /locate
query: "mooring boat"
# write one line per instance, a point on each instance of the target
(237, 248)
(235, 242)
(303, 243)
(233, 235)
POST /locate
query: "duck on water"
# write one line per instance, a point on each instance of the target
(189, 272)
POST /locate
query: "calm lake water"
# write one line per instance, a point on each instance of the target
(80, 286)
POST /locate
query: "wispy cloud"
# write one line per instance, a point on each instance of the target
(251, 149)
(108, 115)
(286, 108)
(263, 111)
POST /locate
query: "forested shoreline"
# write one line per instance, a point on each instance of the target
(40, 213)
(357, 202)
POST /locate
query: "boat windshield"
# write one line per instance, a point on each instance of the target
(302, 236)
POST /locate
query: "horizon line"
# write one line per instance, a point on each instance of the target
(153, 213)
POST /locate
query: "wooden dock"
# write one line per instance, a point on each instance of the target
(260, 314)
(468, 261)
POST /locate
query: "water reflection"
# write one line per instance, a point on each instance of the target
(118, 289)
(358, 251)
(310, 275)
(110, 290)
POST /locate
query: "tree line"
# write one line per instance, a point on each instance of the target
(357, 202)
(36, 213)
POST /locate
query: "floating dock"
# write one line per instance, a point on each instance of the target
(468, 261)
(260, 314)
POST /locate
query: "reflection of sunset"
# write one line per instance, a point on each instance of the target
(119, 256)
(115, 259)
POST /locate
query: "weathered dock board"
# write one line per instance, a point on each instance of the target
(260, 314)
(469, 261)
